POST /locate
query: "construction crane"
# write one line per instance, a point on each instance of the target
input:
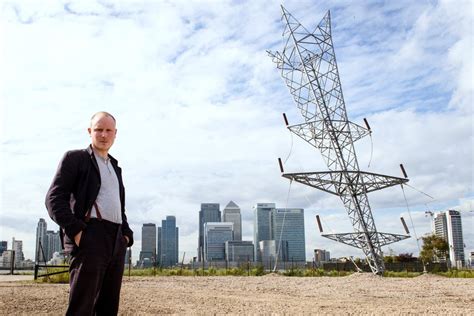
(308, 67)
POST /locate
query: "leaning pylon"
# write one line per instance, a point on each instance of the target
(308, 67)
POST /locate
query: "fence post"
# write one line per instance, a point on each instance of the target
(12, 263)
(36, 271)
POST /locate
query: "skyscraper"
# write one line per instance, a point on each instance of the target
(147, 255)
(50, 242)
(239, 251)
(17, 246)
(209, 213)
(215, 236)
(168, 241)
(288, 225)
(231, 214)
(448, 225)
(3, 246)
(262, 225)
(41, 254)
(53, 243)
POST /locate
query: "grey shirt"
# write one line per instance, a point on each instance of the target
(108, 200)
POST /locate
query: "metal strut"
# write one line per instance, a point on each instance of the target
(308, 67)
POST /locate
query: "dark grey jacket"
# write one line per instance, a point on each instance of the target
(74, 190)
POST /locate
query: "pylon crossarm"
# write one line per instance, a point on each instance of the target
(314, 132)
(337, 182)
(388, 238)
(358, 240)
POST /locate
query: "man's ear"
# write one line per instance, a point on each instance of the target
(89, 130)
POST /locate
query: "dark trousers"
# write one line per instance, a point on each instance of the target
(96, 269)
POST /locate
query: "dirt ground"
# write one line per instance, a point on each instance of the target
(271, 294)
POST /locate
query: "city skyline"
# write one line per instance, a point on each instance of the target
(438, 226)
(198, 108)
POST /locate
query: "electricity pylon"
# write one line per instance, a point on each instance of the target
(308, 67)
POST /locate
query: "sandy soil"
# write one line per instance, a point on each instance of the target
(355, 294)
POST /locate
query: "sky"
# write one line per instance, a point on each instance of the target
(199, 106)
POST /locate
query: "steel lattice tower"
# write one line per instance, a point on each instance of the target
(308, 67)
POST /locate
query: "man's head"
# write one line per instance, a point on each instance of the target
(102, 131)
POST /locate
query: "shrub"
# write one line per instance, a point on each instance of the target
(258, 271)
(55, 278)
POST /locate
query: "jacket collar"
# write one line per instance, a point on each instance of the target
(90, 151)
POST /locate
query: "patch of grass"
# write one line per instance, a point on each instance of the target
(455, 273)
(55, 278)
(294, 272)
(401, 274)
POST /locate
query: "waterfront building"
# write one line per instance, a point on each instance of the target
(168, 241)
(17, 247)
(215, 236)
(262, 225)
(3, 246)
(148, 253)
(53, 244)
(448, 225)
(321, 255)
(6, 258)
(231, 214)
(239, 251)
(209, 212)
(41, 253)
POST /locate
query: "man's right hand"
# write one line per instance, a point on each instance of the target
(77, 238)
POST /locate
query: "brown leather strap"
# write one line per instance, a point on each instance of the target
(99, 216)
(88, 214)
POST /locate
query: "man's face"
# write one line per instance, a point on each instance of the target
(102, 133)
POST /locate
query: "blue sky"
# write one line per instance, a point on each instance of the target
(198, 104)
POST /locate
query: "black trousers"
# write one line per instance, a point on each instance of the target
(96, 270)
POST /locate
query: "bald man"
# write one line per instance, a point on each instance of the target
(87, 200)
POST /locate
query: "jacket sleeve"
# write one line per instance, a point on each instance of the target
(58, 198)
(126, 231)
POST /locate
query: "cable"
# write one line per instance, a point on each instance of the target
(291, 149)
(282, 226)
(371, 149)
(420, 191)
(411, 219)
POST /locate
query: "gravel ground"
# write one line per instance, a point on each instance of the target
(271, 294)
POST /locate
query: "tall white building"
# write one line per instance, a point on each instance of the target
(41, 229)
(448, 225)
(53, 245)
(17, 247)
(232, 214)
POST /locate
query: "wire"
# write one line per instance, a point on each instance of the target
(420, 191)
(371, 149)
(282, 227)
(291, 149)
(411, 219)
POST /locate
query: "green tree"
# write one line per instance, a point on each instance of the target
(405, 257)
(433, 247)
